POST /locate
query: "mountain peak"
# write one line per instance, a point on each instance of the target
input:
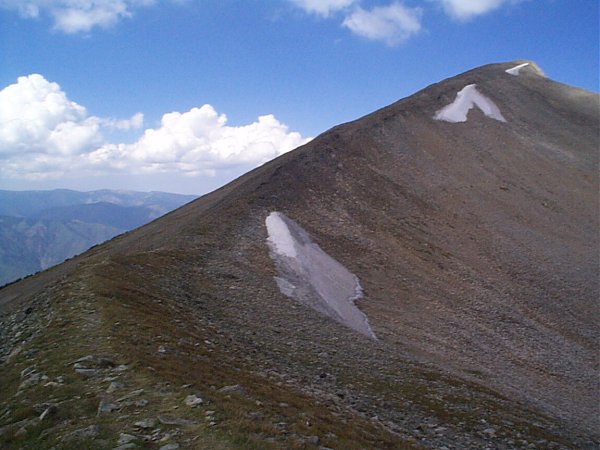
(468, 248)
(524, 65)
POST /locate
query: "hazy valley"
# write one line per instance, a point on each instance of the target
(39, 229)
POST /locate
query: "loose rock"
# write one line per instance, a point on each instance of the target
(114, 386)
(125, 438)
(193, 400)
(234, 389)
(169, 447)
(125, 446)
(145, 424)
(105, 407)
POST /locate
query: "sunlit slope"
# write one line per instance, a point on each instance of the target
(475, 244)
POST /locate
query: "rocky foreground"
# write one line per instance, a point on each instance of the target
(85, 371)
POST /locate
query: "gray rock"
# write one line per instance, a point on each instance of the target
(85, 359)
(125, 438)
(27, 371)
(145, 424)
(106, 407)
(86, 372)
(20, 424)
(233, 389)
(34, 378)
(169, 447)
(131, 394)
(193, 400)
(91, 361)
(125, 446)
(114, 386)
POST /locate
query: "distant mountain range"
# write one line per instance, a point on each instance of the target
(39, 229)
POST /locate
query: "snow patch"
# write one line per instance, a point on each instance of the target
(466, 98)
(279, 235)
(515, 70)
(310, 276)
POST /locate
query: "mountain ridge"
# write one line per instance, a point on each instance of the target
(474, 242)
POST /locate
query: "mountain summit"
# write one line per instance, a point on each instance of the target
(425, 276)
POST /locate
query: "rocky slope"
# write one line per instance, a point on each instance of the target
(475, 243)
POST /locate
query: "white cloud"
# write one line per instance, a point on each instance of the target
(391, 24)
(44, 135)
(199, 141)
(467, 9)
(74, 16)
(323, 8)
(37, 117)
(135, 122)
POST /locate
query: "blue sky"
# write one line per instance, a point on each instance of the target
(184, 95)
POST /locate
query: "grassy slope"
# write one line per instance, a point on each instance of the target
(126, 321)
(126, 324)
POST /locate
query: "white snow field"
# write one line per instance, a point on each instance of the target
(280, 238)
(515, 70)
(466, 98)
(312, 277)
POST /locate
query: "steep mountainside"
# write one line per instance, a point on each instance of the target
(39, 229)
(461, 221)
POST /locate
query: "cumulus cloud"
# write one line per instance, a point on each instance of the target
(199, 142)
(323, 8)
(37, 117)
(391, 24)
(74, 16)
(467, 9)
(43, 134)
(136, 121)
